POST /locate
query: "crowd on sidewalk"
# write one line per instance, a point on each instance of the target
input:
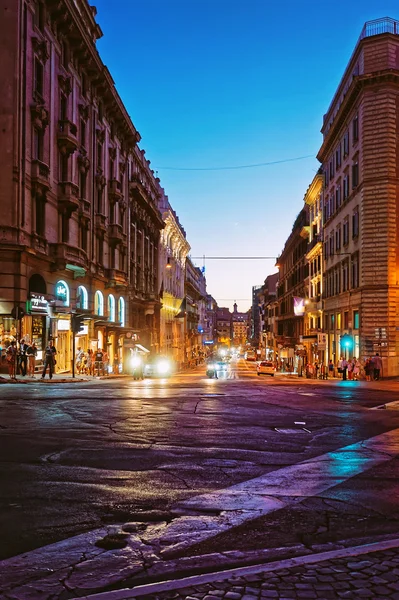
(21, 359)
(350, 369)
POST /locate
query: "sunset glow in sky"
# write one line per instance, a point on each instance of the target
(216, 86)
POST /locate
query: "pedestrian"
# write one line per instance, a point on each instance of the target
(32, 353)
(377, 366)
(316, 369)
(344, 368)
(11, 355)
(79, 360)
(98, 363)
(340, 369)
(350, 369)
(22, 356)
(116, 363)
(356, 369)
(49, 360)
(331, 370)
(89, 362)
(105, 361)
(368, 368)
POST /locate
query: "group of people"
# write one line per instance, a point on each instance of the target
(347, 369)
(92, 362)
(22, 359)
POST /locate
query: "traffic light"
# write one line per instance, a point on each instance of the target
(77, 323)
(346, 342)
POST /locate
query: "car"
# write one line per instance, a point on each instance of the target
(265, 367)
(158, 366)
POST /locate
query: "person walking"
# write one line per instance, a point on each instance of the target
(350, 369)
(331, 370)
(49, 360)
(368, 368)
(79, 360)
(11, 355)
(377, 366)
(344, 368)
(32, 353)
(339, 366)
(90, 362)
(356, 369)
(23, 358)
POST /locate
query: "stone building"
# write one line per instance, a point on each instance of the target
(223, 327)
(173, 252)
(194, 308)
(267, 302)
(359, 155)
(239, 328)
(80, 221)
(293, 271)
(314, 347)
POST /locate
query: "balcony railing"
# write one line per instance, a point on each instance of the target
(66, 136)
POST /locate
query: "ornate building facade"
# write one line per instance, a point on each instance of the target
(80, 220)
(361, 201)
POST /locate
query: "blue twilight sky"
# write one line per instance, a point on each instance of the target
(226, 83)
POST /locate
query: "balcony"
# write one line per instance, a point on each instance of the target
(68, 197)
(316, 241)
(115, 234)
(66, 137)
(114, 190)
(84, 207)
(40, 176)
(101, 223)
(65, 256)
(116, 278)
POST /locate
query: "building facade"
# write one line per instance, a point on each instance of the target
(239, 328)
(174, 249)
(361, 210)
(80, 224)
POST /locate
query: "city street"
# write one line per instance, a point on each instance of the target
(197, 465)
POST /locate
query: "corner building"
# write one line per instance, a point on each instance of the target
(80, 223)
(359, 155)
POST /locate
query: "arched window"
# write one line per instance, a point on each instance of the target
(121, 311)
(99, 303)
(82, 298)
(111, 308)
(62, 292)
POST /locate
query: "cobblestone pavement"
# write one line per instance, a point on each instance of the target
(374, 575)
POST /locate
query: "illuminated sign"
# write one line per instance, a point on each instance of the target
(299, 306)
(38, 303)
(63, 325)
(62, 292)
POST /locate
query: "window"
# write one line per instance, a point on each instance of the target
(332, 324)
(338, 238)
(38, 78)
(345, 184)
(121, 311)
(100, 250)
(346, 144)
(40, 207)
(345, 277)
(65, 228)
(337, 197)
(338, 157)
(355, 273)
(82, 133)
(326, 249)
(40, 16)
(331, 247)
(331, 169)
(83, 237)
(346, 320)
(37, 144)
(338, 320)
(100, 111)
(82, 298)
(355, 129)
(83, 84)
(111, 308)
(82, 184)
(355, 175)
(99, 304)
(64, 158)
(63, 107)
(345, 232)
(65, 54)
(356, 321)
(99, 155)
(99, 201)
(355, 223)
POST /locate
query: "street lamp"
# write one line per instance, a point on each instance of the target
(168, 264)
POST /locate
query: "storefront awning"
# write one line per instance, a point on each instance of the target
(141, 348)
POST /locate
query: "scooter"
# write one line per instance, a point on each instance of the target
(138, 368)
(211, 372)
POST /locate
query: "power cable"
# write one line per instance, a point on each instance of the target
(263, 164)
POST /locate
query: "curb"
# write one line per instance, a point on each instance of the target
(171, 585)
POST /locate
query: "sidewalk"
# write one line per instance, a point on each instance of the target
(61, 378)
(370, 571)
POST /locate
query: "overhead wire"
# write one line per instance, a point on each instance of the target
(229, 168)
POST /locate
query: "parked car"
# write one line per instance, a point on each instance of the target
(265, 367)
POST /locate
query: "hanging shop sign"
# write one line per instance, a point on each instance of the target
(299, 306)
(63, 325)
(62, 292)
(37, 303)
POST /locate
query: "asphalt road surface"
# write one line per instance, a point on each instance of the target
(77, 456)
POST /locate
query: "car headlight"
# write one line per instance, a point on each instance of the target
(163, 367)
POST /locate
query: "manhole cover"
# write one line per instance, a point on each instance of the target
(211, 395)
(290, 431)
